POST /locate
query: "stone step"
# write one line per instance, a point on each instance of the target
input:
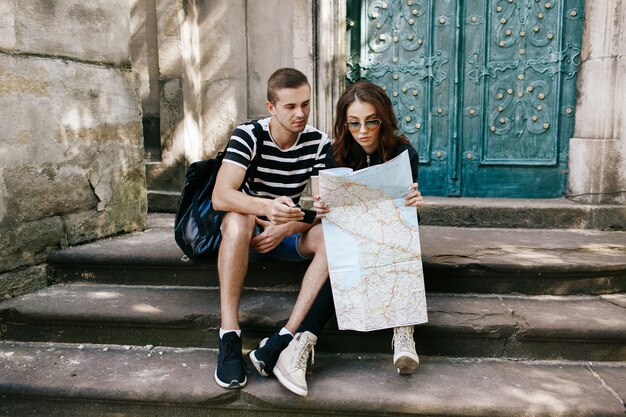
(456, 260)
(96, 380)
(556, 213)
(528, 327)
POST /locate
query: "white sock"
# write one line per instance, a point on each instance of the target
(284, 331)
(223, 332)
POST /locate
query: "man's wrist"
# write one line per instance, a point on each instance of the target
(266, 205)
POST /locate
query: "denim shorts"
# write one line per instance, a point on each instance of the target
(287, 250)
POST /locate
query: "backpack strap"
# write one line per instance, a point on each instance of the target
(258, 133)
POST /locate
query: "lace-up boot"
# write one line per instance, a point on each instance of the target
(405, 358)
(264, 358)
(291, 366)
(231, 369)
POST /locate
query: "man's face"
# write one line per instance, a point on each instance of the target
(292, 108)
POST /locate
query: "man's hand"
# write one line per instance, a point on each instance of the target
(271, 236)
(284, 210)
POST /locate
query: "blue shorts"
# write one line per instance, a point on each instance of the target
(287, 250)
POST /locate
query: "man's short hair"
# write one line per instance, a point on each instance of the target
(284, 78)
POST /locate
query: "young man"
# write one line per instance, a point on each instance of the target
(263, 220)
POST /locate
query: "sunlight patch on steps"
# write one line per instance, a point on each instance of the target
(146, 308)
(103, 295)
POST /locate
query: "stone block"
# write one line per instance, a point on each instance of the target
(3, 198)
(44, 191)
(608, 217)
(169, 39)
(597, 109)
(289, 45)
(7, 25)
(125, 210)
(152, 138)
(223, 91)
(223, 108)
(95, 31)
(30, 243)
(86, 226)
(604, 35)
(71, 148)
(72, 140)
(54, 110)
(164, 177)
(280, 41)
(163, 201)
(145, 53)
(594, 174)
(23, 281)
(171, 121)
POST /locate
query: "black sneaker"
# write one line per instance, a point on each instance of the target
(231, 369)
(264, 358)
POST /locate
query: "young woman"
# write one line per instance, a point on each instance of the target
(365, 134)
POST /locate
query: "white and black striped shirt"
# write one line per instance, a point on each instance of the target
(279, 172)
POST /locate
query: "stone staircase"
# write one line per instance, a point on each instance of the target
(522, 322)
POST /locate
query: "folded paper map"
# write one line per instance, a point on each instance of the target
(373, 246)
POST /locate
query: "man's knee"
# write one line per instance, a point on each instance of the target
(238, 226)
(317, 233)
(312, 241)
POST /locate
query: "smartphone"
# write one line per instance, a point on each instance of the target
(309, 215)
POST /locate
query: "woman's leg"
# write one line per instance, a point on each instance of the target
(321, 311)
(405, 358)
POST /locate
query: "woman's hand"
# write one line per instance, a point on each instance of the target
(319, 206)
(414, 197)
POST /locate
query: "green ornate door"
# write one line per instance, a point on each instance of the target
(484, 89)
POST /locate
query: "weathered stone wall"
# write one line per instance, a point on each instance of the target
(598, 149)
(71, 146)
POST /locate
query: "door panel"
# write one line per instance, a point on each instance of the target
(485, 90)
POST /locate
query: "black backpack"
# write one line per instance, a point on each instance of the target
(197, 224)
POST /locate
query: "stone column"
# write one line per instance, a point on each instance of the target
(156, 55)
(331, 59)
(597, 155)
(220, 76)
(145, 59)
(289, 43)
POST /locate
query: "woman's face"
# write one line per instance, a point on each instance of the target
(364, 124)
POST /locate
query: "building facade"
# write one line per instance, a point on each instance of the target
(516, 98)
(105, 100)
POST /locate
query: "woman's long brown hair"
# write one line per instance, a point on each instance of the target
(345, 150)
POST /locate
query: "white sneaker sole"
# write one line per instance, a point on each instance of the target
(234, 384)
(406, 363)
(257, 363)
(288, 384)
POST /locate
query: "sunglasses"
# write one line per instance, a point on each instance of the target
(370, 125)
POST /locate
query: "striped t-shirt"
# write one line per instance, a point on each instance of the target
(279, 172)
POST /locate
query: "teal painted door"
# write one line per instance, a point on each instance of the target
(484, 89)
